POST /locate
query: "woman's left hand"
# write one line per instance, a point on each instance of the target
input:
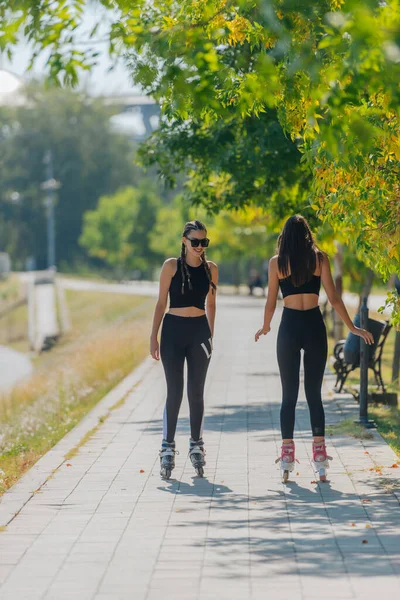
(262, 331)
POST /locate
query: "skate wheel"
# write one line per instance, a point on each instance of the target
(166, 473)
(200, 471)
(285, 476)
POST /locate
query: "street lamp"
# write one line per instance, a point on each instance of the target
(11, 94)
(50, 186)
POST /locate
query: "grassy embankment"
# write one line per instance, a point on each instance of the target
(109, 337)
(14, 324)
(387, 418)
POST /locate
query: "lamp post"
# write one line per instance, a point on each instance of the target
(50, 186)
(11, 94)
(364, 359)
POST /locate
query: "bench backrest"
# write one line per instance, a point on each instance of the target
(351, 350)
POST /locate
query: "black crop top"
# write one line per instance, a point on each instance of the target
(309, 287)
(194, 297)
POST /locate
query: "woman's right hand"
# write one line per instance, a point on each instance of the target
(155, 348)
(262, 331)
(363, 333)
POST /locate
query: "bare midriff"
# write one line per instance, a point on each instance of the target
(187, 311)
(301, 301)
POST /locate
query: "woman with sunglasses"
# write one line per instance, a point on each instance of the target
(298, 270)
(187, 332)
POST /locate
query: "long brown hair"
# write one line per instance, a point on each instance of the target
(297, 251)
(194, 226)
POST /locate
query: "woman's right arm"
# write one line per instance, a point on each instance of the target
(270, 305)
(337, 302)
(167, 272)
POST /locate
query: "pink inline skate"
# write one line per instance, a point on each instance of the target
(320, 459)
(287, 460)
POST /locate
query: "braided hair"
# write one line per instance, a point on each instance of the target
(194, 226)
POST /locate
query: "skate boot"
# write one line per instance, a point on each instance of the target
(167, 459)
(320, 459)
(196, 454)
(287, 460)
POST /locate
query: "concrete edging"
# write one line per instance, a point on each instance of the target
(14, 499)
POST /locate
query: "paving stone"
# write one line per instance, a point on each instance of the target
(104, 530)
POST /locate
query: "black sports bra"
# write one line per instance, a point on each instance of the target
(309, 287)
(191, 297)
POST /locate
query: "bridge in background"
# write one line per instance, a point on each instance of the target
(143, 106)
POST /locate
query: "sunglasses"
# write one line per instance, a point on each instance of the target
(195, 242)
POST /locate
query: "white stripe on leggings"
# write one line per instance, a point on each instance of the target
(202, 424)
(165, 422)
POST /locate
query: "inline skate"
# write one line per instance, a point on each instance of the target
(320, 459)
(167, 459)
(196, 454)
(287, 460)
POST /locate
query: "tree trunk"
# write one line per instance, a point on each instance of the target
(396, 359)
(338, 279)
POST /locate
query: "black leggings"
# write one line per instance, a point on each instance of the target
(302, 329)
(185, 338)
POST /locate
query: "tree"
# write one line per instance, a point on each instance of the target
(231, 163)
(330, 67)
(118, 230)
(89, 160)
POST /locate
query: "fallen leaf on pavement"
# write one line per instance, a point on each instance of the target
(365, 541)
(141, 470)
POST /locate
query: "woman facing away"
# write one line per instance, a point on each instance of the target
(187, 332)
(298, 269)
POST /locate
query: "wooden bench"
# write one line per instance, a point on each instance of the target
(342, 368)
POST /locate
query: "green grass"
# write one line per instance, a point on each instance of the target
(388, 420)
(10, 291)
(348, 427)
(109, 337)
(14, 329)
(13, 325)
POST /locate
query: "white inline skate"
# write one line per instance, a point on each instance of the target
(197, 454)
(320, 459)
(287, 460)
(167, 459)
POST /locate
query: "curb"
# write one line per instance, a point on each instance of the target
(14, 499)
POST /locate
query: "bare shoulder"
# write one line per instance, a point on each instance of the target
(323, 258)
(213, 266)
(170, 265)
(273, 264)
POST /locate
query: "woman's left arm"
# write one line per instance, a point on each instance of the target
(211, 305)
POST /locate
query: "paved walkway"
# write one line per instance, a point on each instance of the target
(14, 366)
(150, 288)
(106, 527)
